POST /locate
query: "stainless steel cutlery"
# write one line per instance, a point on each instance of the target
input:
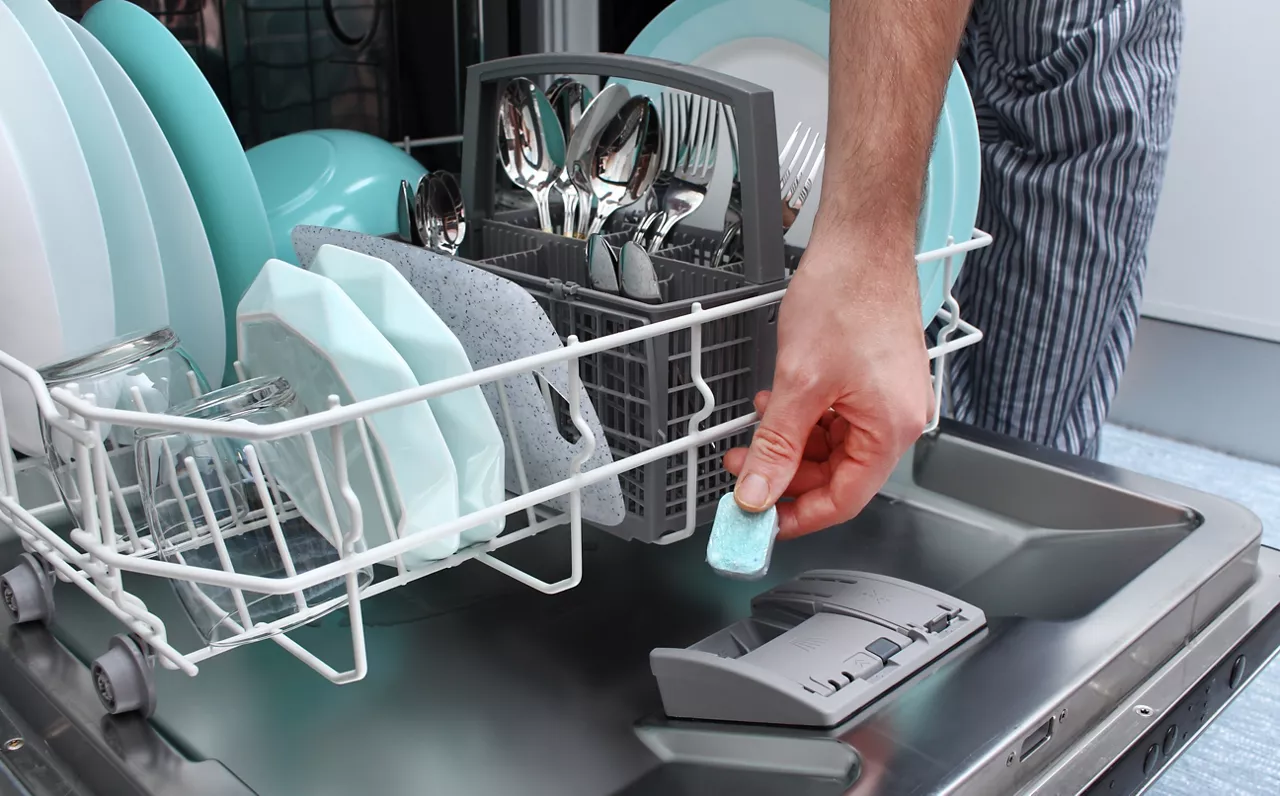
(614, 150)
(799, 164)
(405, 226)
(602, 265)
(582, 146)
(624, 162)
(689, 141)
(627, 271)
(636, 274)
(802, 167)
(570, 100)
(531, 145)
(446, 209)
(438, 213)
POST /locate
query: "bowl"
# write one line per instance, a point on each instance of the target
(330, 178)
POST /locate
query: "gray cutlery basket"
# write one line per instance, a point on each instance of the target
(643, 394)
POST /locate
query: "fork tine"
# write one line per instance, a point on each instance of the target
(711, 138)
(671, 136)
(730, 127)
(796, 159)
(808, 180)
(786, 150)
(800, 172)
(697, 133)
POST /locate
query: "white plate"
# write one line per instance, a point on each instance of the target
(57, 237)
(301, 326)
(190, 277)
(433, 353)
(136, 277)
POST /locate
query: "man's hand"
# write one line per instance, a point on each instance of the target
(851, 391)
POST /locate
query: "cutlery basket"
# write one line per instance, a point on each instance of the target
(644, 394)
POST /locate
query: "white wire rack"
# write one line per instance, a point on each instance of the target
(93, 557)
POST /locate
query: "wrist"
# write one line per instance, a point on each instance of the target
(871, 261)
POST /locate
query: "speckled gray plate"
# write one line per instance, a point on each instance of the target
(496, 321)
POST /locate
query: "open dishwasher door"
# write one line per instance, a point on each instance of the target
(1121, 613)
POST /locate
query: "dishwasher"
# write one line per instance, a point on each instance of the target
(1002, 618)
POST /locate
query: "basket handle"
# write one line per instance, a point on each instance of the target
(752, 108)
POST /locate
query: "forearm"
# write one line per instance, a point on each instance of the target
(889, 65)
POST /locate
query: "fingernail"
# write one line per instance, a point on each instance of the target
(752, 492)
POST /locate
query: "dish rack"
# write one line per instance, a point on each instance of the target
(97, 557)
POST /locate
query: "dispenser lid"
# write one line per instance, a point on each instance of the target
(814, 651)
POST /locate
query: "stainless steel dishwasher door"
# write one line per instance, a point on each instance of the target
(1091, 578)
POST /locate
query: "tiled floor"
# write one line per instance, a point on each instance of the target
(1240, 752)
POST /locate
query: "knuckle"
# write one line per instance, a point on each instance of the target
(798, 373)
(771, 446)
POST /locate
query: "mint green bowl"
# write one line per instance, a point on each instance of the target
(330, 178)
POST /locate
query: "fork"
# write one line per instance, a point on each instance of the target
(798, 168)
(692, 148)
(797, 179)
(671, 106)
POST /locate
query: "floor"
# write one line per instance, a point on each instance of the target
(1240, 752)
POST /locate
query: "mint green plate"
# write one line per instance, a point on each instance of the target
(190, 277)
(783, 45)
(303, 327)
(341, 179)
(432, 353)
(203, 140)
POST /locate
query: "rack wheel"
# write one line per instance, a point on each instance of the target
(124, 678)
(27, 591)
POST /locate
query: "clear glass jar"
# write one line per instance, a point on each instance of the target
(199, 492)
(145, 372)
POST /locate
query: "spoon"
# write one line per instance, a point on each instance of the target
(583, 143)
(639, 280)
(422, 213)
(530, 143)
(570, 99)
(625, 161)
(602, 265)
(448, 214)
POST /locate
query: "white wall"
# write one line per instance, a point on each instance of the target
(1220, 210)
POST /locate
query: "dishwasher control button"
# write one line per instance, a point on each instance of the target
(883, 648)
(1237, 672)
(862, 666)
(939, 623)
(1170, 740)
(1150, 761)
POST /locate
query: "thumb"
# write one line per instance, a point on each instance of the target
(777, 446)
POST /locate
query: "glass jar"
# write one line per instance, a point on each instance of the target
(200, 493)
(145, 372)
